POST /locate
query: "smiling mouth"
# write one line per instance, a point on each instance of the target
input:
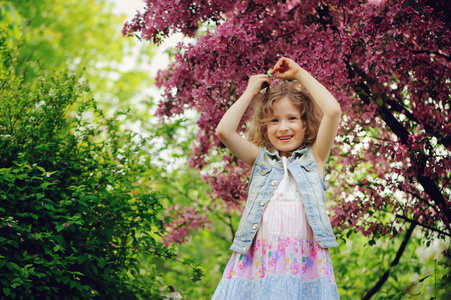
(284, 138)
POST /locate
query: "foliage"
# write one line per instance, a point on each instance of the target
(421, 273)
(388, 63)
(75, 219)
(208, 247)
(79, 34)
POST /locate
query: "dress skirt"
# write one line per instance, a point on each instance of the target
(285, 261)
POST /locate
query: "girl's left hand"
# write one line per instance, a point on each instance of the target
(287, 69)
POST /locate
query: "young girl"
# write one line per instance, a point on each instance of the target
(281, 245)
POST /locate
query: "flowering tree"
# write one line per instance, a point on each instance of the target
(387, 62)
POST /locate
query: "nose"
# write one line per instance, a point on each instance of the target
(283, 126)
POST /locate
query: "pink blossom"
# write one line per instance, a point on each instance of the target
(181, 221)
(388, 64)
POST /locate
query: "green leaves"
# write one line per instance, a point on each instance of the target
(76, 212)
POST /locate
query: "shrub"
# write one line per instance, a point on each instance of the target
(76, 217)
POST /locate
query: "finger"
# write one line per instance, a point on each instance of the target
(263, 77)
(284, 64)
(279, 72)
(260, 76)
(265, 81)
(281, 62)
(281, 66)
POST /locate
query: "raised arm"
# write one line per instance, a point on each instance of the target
(227, 127)
(288, 69)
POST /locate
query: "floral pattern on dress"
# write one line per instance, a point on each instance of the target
(293, 256)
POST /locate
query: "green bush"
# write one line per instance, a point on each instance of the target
(76, 218)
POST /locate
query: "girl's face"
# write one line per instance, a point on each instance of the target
(285, 129)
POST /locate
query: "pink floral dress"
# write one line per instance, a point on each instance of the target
(285, 261)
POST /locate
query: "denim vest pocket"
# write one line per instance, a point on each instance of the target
(258, 180)
(311, 172)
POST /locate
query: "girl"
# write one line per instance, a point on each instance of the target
(280, 248)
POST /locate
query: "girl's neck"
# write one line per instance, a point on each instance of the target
(285, 154)
(289, 153)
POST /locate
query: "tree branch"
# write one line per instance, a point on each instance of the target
(422, 225)
(423, 200)
(448, 58)
(266, 39)
(394, 263)
(232, 230)
(430, 186)
(397, 106)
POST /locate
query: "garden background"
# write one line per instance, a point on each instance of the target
(113, 184)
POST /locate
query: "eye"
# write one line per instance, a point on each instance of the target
(274, 120)
(292, 118)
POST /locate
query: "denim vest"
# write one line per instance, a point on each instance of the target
(266, 175)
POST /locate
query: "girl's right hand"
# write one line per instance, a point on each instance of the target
(287, 69)
(257, 83)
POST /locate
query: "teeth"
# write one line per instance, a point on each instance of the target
(284, 138)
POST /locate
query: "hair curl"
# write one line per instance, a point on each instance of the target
(263, 111)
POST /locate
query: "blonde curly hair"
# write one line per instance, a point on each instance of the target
(256, 131)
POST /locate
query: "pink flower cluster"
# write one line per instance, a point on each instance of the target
(157, 22)
(387, 62)
(182, 220)
(230, 183)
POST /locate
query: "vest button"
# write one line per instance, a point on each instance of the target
(274, 182)
(313, 221)
(300, 176)
(262, 203)
(244, 248)
(255, 226)
(306, 197)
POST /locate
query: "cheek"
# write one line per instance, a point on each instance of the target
(269, 130)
